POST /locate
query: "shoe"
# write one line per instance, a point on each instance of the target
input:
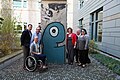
(71, 63)
(83, 66)
(45, 67)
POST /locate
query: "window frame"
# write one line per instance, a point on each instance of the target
(94, 25)
(81, 3)
(22, 2)
(81, 23)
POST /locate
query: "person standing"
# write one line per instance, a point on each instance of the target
(71, 43)
(76, 48)
(25, 42)
(83, 48)
(37, 33)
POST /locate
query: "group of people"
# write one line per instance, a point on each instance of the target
(31, 44)
(77, 45)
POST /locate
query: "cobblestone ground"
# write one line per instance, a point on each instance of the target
(93, 71)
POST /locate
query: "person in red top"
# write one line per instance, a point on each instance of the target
(70, 43)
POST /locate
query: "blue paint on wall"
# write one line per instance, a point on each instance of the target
(54, 34)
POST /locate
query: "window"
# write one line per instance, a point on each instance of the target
(19, 3)
(24, 3)
(96, 25)
(81, 23)
(81, 2)
(39, 4)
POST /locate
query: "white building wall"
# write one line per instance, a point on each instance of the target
(34, 13)
(70, 13)
(31, 14)
(111, 23)
(76, 7)
(111, 27)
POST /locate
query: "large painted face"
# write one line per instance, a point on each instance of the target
(53, 35)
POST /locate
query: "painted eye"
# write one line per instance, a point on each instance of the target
(54, 31)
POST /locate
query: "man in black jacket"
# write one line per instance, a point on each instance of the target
(25, 42)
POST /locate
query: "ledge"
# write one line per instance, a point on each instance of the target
(7, 60)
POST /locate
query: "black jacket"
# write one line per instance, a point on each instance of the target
(25, 38)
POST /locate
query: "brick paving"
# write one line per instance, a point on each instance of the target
(93, 71)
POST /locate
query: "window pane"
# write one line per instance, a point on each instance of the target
(39, 5)
(25, 4)
(92, 29)
(17, 3)
(99, 34)
(81, 3)
(100, 15)
(81, 23)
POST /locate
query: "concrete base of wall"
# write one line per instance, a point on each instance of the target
(7, 60)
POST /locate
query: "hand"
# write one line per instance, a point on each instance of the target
(74, 46)
(38, 53)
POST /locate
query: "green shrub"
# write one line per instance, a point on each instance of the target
(8, 37)
(109, 62)
(92, 46)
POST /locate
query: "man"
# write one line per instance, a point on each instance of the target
(25, 42)
(36, 52)
(37, 33)
(76, 49)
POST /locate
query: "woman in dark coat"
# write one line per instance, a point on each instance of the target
(71, 43)
(83, 47)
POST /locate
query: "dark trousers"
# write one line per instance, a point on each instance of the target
(83, 56)
(76, 54)
(26, 52)
(40, 57)
(70, 55)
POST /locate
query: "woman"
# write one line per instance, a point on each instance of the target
(71, 43)
(83, 41)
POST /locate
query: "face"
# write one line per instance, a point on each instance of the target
(30, 27)
(37, 30)
(83, 32)
(36, 40)
(69, 31)
(78, 32)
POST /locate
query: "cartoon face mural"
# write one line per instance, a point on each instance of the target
(54, 34)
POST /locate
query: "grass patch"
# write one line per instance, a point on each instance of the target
(109, 62)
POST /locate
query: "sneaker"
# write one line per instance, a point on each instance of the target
(83, 66)
(44, 67)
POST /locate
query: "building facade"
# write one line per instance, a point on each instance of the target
(27, 12)
(24, 12)
(101, 18)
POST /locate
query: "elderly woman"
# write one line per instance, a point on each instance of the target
(71, 43)
(83, 48)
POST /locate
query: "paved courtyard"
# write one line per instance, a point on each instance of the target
(94, 71)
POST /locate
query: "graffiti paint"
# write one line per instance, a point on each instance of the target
(53, 35)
